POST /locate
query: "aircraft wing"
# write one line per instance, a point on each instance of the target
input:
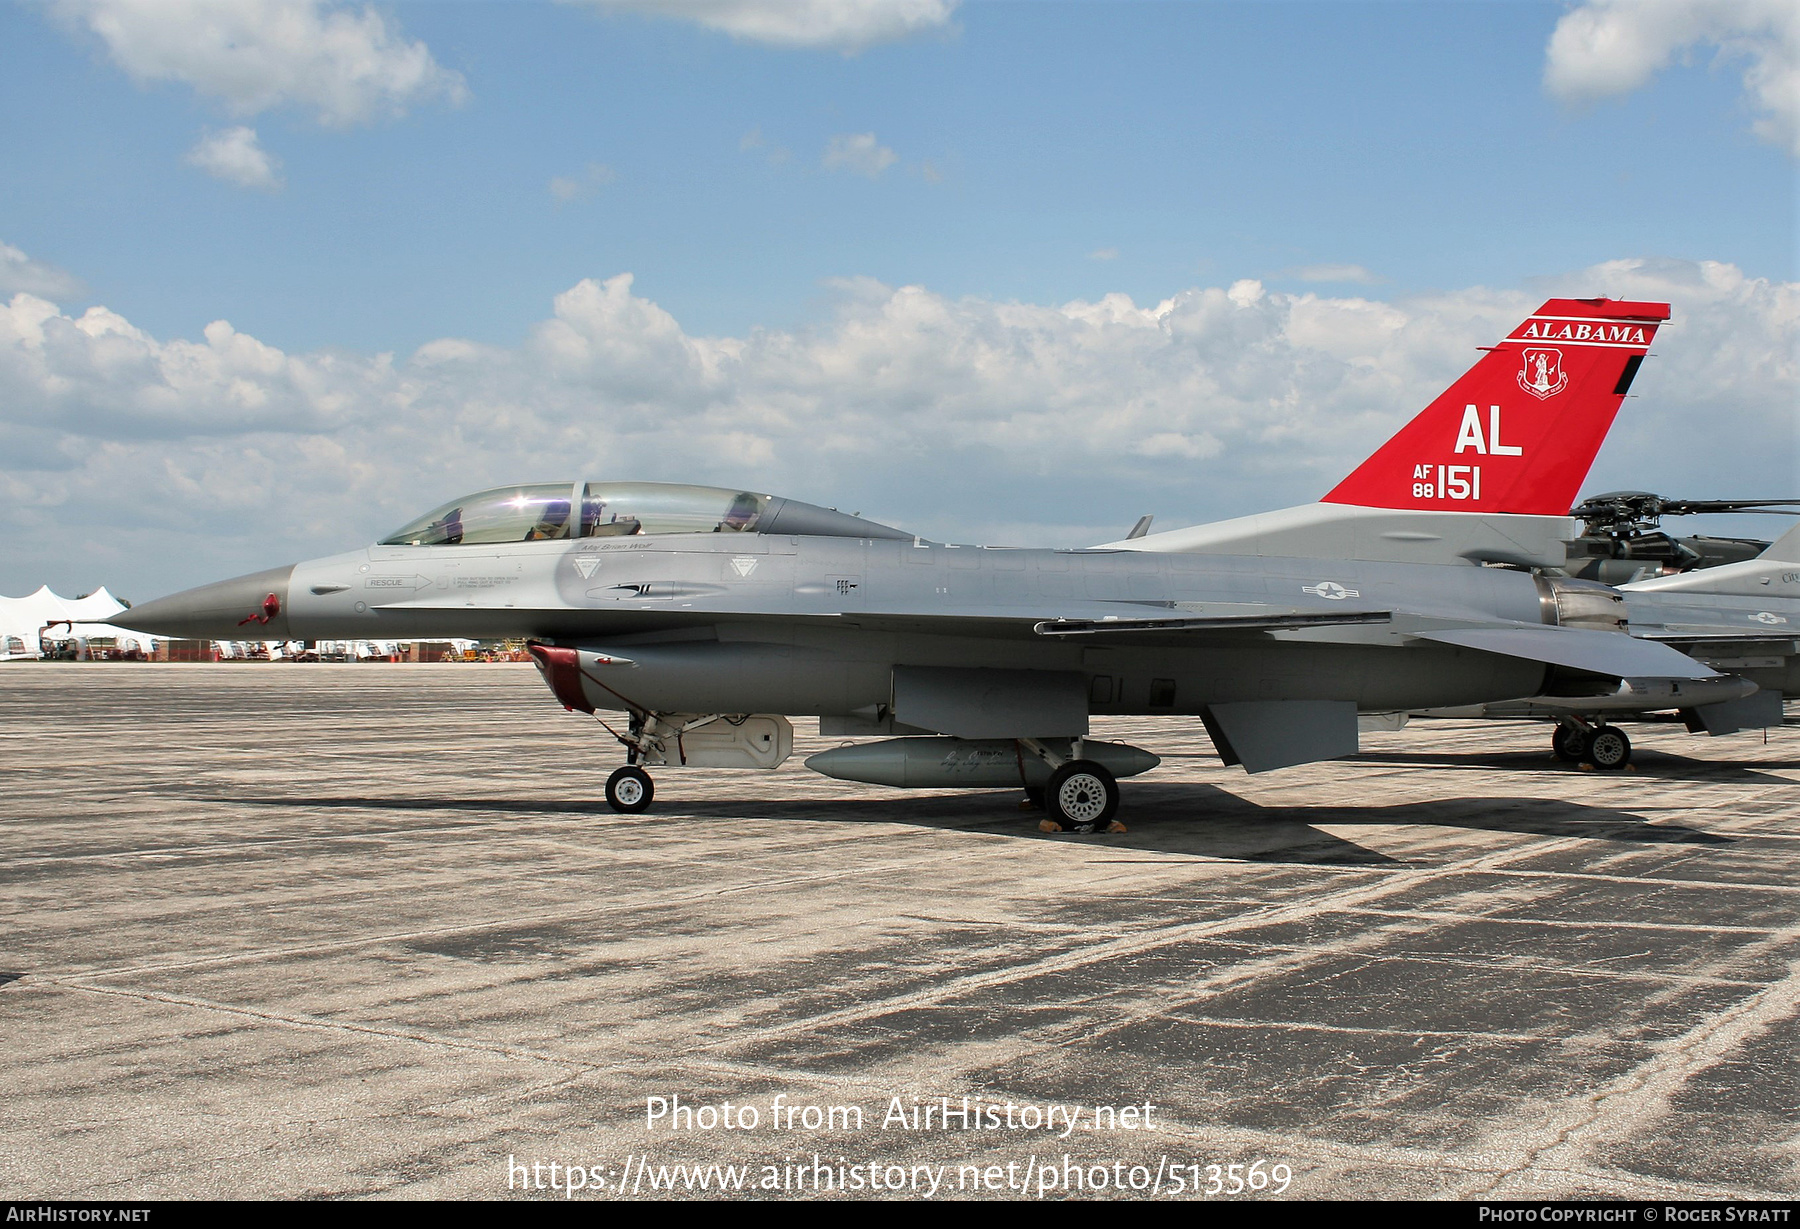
(1611, 654)
(1597, 652)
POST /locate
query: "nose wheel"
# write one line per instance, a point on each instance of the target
(629, 790)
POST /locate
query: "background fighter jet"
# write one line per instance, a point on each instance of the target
(1742, 619)
(707, 616)
(1622, 538)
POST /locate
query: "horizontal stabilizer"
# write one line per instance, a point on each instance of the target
(1609, 653)
(1219, 623)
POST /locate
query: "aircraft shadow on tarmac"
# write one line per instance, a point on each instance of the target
(1192, 820)
(1656, 764)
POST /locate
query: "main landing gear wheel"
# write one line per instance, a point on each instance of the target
(1608, 749)
(1569, 743)
(629, 790)
(1083, 796)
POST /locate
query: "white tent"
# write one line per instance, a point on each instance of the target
(23, 620)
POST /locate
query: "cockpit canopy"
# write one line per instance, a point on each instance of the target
(563, 510)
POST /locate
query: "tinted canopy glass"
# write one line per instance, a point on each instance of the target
(606, 509)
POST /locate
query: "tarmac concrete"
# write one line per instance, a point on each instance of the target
(278, 930)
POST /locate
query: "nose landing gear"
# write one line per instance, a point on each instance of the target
(629, 790)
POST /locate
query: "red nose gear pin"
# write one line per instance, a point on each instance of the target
(271, 606)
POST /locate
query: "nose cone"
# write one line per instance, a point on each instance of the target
(253, 607)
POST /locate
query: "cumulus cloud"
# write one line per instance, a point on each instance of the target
(858, 153)
(18, 272)
(236, 156)
(842, 25)
(753, 141)
(1104, 254)
(97, 376)
(345, 66)
(1333, 273)
(1609, 47)
(159, 463)
(566, 188)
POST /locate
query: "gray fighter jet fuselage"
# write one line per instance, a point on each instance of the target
(815, 625)
(878, 632)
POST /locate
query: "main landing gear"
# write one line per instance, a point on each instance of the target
(1604, 747)
(1081, 796)
(1084, 796)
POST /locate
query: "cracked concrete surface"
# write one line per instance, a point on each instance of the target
(367, 930)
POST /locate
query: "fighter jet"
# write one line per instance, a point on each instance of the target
(694, 621)
(1622, 538)
(1742, 619)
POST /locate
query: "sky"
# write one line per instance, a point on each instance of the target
(278, 275)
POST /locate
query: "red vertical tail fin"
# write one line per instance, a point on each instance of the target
(1519, 431)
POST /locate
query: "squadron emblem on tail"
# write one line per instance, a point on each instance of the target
(1542, 375)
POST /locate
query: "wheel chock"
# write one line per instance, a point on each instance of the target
(1049, 825)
